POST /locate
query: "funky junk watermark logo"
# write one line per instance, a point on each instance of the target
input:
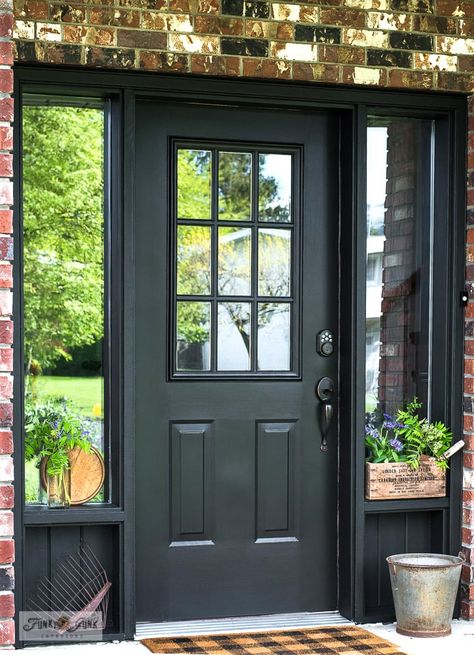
(55, 626)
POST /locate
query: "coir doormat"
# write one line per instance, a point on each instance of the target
(343, 640)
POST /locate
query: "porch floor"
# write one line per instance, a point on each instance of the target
(461, 641)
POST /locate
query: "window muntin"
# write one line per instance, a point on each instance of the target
(235, 311)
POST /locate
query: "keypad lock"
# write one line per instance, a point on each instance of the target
(325, 343)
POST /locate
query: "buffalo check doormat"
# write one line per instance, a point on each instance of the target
(343, 640)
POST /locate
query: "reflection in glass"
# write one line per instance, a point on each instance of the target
(398, 279)
(274, 188)
(234, 261)
(194, 183)
(274, 337)
(233, 336)
(63, 269)
(194, 260)
(193, 320)
(235, 184)
(274, 262)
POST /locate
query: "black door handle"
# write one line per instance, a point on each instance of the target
(325, 392)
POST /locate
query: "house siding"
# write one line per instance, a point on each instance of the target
(407, 44)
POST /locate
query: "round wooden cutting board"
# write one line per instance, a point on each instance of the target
(87, 474)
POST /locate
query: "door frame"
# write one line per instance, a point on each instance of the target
(352, 104)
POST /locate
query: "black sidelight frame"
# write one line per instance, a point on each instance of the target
(353, 106)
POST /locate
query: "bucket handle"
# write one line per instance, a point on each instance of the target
(462, 556)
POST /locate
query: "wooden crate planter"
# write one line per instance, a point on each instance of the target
(394, 481)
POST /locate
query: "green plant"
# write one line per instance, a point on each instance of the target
(406, 437)
(52, 430)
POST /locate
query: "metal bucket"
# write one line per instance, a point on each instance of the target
(424, 590)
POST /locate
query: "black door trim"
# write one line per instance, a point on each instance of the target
(352, 103)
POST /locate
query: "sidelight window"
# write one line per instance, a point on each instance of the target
(399, 279)
(235, 242)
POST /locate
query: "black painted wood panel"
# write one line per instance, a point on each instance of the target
(192, 485)
(275, 480)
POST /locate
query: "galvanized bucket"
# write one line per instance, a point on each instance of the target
(424, 590)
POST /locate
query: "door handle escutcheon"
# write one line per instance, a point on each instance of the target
(325, 392)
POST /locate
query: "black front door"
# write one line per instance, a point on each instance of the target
(236, 250)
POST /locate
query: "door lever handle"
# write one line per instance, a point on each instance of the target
(324, 392)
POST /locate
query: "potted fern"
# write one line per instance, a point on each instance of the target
(406, 455)
(52, 431)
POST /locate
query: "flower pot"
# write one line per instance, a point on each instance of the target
(424, 587)
(58, 489)
(399, 480)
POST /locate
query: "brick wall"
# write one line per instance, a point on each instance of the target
(398, 43)
(420, 44)
(468, 491)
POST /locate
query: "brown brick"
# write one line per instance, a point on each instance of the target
(343, 17)
(68, 13)
(410, 79)
(6, 412)
(341, 54)
(456, 82)
(6, 218)
(151, 60)
(7, 632)
(6, 53)
(117, 17)
(316, 72)
(32, 9)
(208, 6)
(141, 39)
(89, 35)
(218, 25)
(434, 24)
(178, 5)
(7, 497)
(466, 28)
(467, 610)
(110, 57)
(468, 427)
(215, 65)
(466, 65)
(6, 24)
(6, 448)
(7, 551)
(455, 8)
(265, 68)
(7, 605)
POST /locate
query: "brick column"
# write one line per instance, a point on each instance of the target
(468, 457)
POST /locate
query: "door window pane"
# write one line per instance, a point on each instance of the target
(274, 188)
(233, 338)
(232, 263)
(235, 247)
(194, 184)
(194, 260)
(64, 282)
(274, 345)
(193, 321)
(399, 267)
(235, 184)
(274, 262)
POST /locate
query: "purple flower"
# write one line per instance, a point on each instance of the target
(373, 432)
(396, 445)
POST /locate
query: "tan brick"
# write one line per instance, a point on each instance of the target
(193, 43)
(365, 38)
(294, 51)
(454, 45)
(435, 62)
(384, 21)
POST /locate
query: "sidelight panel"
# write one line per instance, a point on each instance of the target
(399, 278)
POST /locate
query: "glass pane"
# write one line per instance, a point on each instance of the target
(63, 268)
(274, 262)
(194, 183)
(274, 188)
(233, 336)
(235, 184)
(274, 346)
(194, 260)
(234, 271)
(193, 352)
(398, 307)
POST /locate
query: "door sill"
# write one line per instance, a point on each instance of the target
(239, 624)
